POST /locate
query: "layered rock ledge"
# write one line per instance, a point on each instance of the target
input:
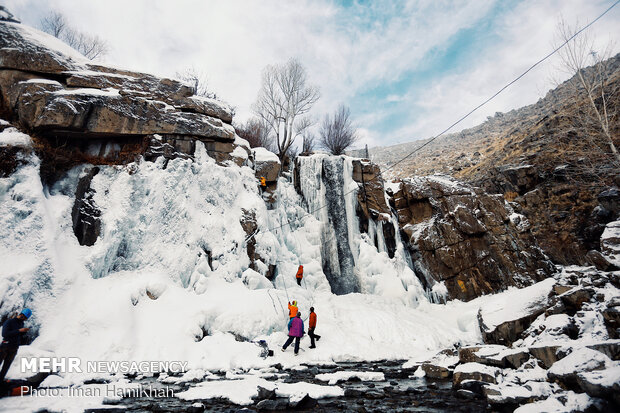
(98, 111)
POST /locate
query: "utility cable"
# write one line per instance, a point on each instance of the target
(554, 51)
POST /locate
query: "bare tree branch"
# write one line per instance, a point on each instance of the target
(338, 133)
(578, 54)
(90, 46)
(307, 146)
(282, 101)
(198, 80)
(256, 132)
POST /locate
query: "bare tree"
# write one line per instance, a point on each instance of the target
(198, 80)
(307, 146)
(256, 132)
(576, 56)
(338, 133)
(54, 24)
(283, 100)
(90, 46)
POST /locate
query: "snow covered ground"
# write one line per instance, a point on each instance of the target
(169, 280)
(146, 289)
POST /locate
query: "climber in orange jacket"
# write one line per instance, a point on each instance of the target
(312, 327)
(292, 309)
(300, 274)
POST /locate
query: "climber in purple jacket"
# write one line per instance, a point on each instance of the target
(295, 332)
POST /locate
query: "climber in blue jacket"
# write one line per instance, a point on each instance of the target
(12, 332)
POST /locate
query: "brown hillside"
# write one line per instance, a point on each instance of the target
(543, 157)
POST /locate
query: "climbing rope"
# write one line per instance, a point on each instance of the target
(273, 302)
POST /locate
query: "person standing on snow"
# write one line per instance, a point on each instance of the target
(295, 332)
(300, 274)
(292, 310)
(12, 332)
(311, 327)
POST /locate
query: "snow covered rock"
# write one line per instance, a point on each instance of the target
(266, 164)
(27, 49)
(337, 377)
(441, 366)
(503, 322)
(573, 299)
(475, 371)
(102, 111)
(579, 361)
(511, 394)
(610, 242)
(601, 383)
(464, 237)
(547, 354)
(494, 355)
(566, 402)
(91, 111)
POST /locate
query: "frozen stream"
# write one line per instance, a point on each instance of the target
(400, 391)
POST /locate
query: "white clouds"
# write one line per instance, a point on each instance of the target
(527, 35)
(349, 52)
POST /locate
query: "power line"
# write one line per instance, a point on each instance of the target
(554, 51)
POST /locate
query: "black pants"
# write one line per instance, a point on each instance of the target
(7, 355)
(312, 337)
(299, 282)
(289, 341)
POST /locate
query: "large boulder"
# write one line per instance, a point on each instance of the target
(27, 49)
(600, 261)
(601, 383)
(266, 164)
(503, 321)
(98, 112)
(441, 365)
(581, 360)
(494, 355)
(547, 354)
(610, 242)
(475, 371)
(79, 108)
(469, 240)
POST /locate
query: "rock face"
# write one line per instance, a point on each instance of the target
(371, 196)
(371, 202)
(466, 238)
(85, 214)
(98, 113)
(610, 243)
(461, 241)
(257, 263)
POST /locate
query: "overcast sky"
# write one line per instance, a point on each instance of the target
(407, 69)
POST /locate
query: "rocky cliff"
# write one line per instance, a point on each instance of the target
(544, 157)
(461, 241)
(471, 241)
(80, 111)
(458, 240)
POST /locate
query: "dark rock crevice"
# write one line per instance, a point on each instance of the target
(85, 213)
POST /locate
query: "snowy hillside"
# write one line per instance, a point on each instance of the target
(146, 289)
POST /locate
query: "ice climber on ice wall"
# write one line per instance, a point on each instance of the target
(300, 274)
